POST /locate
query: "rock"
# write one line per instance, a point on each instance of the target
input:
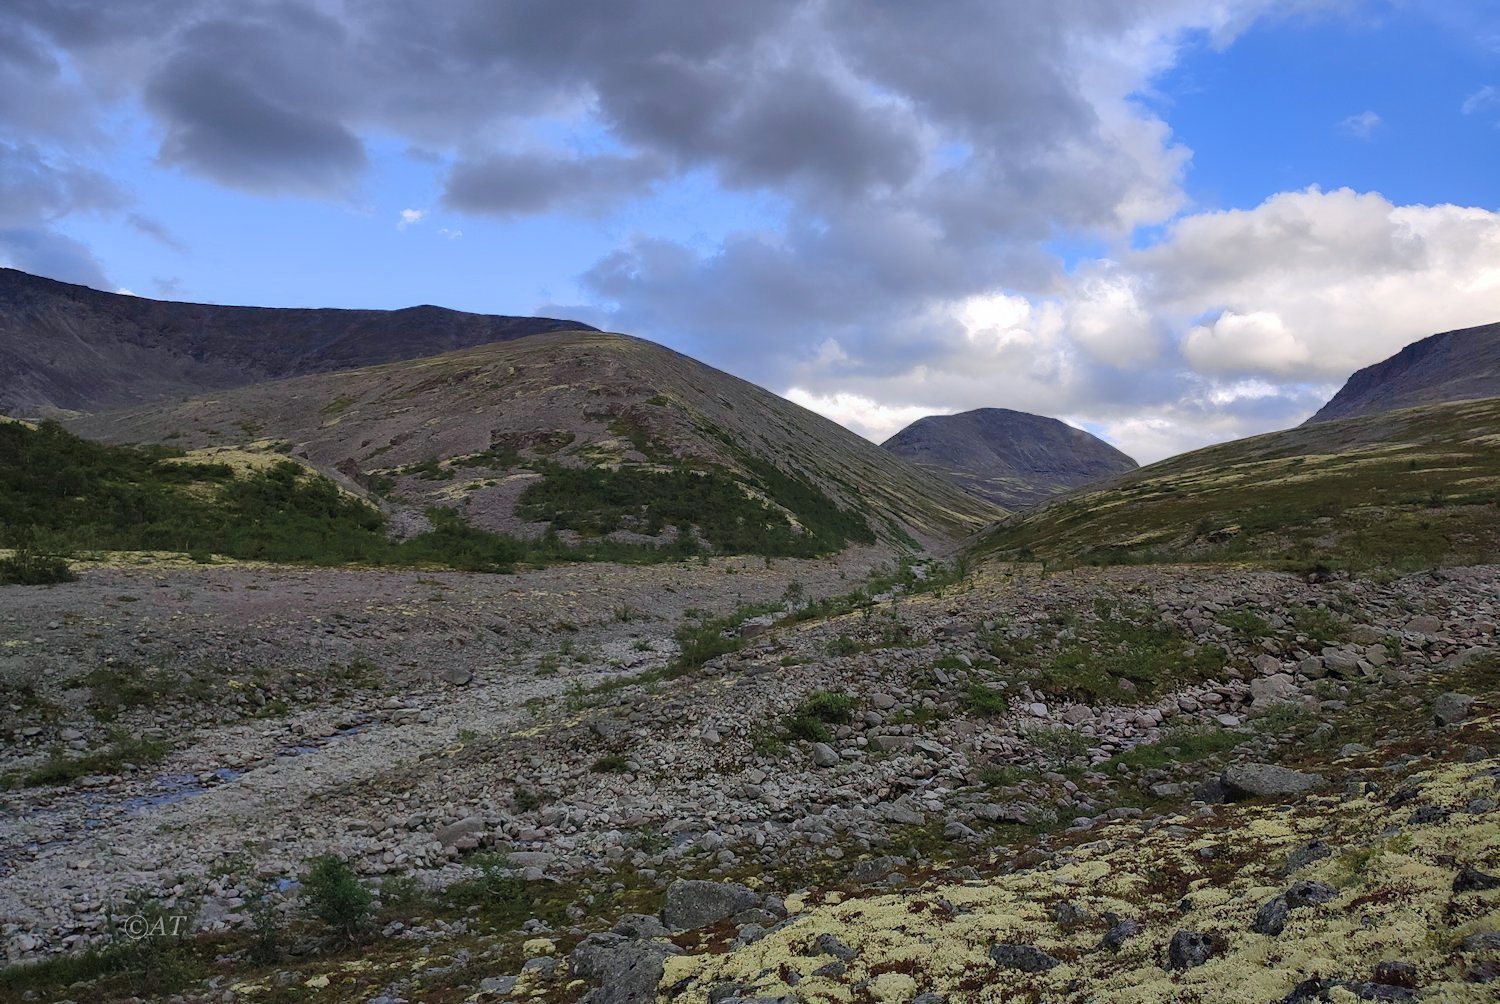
(1315, 850)
(1010, 812)
(1310, 893)
(1451, 708)
(457, 675)
(641, 925)
(890, 744)
(1276, 689)
(1471, 879)
(624, 971)
(694, 903)
(502, 985)
(1079, 714)
(1026, 958)
(1068, 914)
(824, 755)
(1397, 974)
(900, 812)
(882, 702)
(929, 999)
(1255, 780)
(1425, 624)
(827, 944)
(1271, 917)
(1322, 990)
(450, 834)
(1118, 933)
(954, 830)
(1189, 949)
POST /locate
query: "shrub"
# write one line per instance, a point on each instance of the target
(30, 568)
(831, 706)
(336, 897)
(611, 763)
(980, 699)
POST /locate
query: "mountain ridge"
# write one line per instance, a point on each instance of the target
(1012, 458)
(69, 348)
(1458, 365)
(472, 429)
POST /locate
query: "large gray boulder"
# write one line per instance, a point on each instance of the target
(1255, 780)
(623, 971)
(1451, 708)
(693, 903)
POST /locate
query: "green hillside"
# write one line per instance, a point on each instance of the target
(1401, 491)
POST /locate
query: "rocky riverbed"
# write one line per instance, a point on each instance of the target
(407, 721)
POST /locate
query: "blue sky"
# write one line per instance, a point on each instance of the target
(1169, 222)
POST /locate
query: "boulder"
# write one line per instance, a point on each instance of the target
(1255, 780)
(1452, 708)
(1274, 689)
(824, 755)
(693, 903)
(623, 971)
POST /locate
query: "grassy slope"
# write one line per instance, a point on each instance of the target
(578, 399)
(1398, 491)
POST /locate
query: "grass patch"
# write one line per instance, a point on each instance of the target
(981, 699)
(1180, 745)
(1127, 643)
(59, 768)
(810, 719)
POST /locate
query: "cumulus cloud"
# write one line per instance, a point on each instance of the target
(516, 184)
(409, 217)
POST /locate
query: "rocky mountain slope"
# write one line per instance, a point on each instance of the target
(1012, 458)
(1398, 490)
(1453, 366)
(474, 430)
(72, 348)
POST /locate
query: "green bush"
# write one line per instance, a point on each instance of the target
(610, 763)
(27, 567)
(336, 897)
(980, 699)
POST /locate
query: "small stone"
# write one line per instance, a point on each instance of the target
(824, 755)
(1471, 879)
(457, 675)
(1119, 933)
(1310, 893)
(1396, 974)
(827, 944)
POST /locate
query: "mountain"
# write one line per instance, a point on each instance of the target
(582, 431)
(71, 348)
(1009, 457)
(1453, 366)
(1400, 490)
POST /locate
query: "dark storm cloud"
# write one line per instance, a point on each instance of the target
(44, 252)
(519, 184)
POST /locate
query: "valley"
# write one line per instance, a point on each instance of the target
(568, 669)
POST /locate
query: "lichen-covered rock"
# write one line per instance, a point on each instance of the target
(1471, 879)
(1271, 917)
(623, 971)
(693, 903)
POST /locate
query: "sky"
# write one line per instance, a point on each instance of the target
(1171, 222)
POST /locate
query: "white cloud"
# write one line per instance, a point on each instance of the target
(1233, 323)
(1485, 97)
(451, 234)
(410, 217)
(1361, 126)
(869, 418)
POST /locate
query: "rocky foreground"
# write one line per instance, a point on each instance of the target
(1041, 776)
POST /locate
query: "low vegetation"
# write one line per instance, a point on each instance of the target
(1387, 494)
